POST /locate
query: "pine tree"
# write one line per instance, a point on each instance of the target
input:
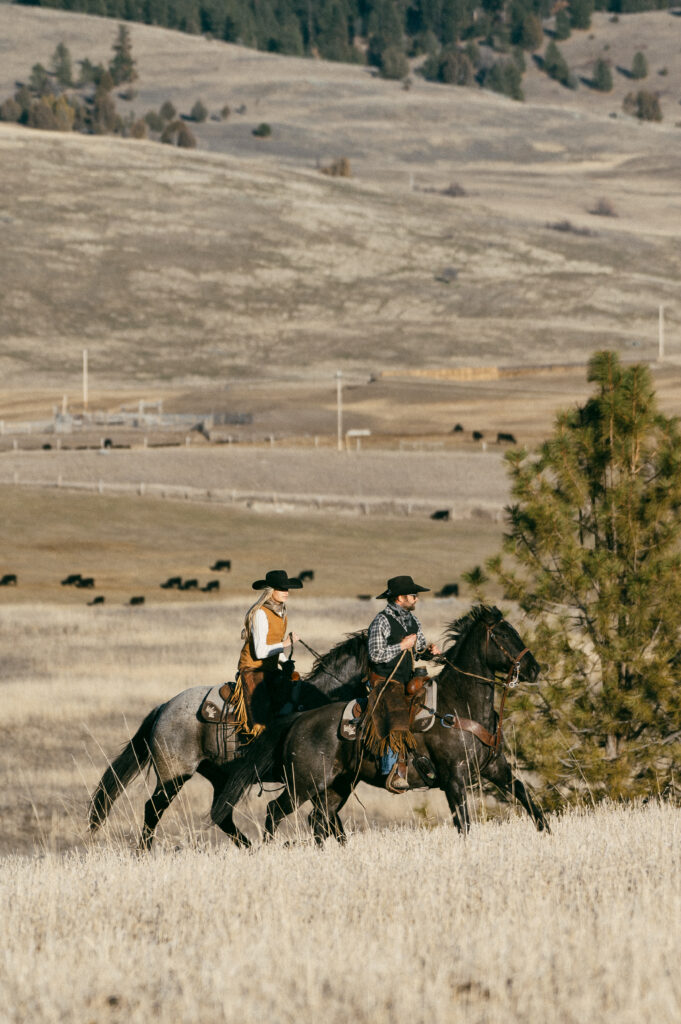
(122, 67)
(639, 67)
(595, 549)
(62, 66)
(602, 76)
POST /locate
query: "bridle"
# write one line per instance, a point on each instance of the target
(454, 721)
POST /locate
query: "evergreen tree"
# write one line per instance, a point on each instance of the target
(602, 76)
(555, 64)
(39, 82)
(62, 66)
(122, 67)
(595, 547)
(580, 13)
(563, 28)
(526, 29)
(505, 77)
(639, 67)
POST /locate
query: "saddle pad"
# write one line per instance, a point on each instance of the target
(354, 709)
(215, 707)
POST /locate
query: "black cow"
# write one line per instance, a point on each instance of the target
(172, 581)
(211, 585)
(306, 574)
(507, 438)
(441, 513)
(478, 435)
(97, 600)
(71, 579)
(136, 600)
(86, 582)
(458, 429)
(189, 585)
(8, 580)
(222, 564)
(364, 597)
(448, 590)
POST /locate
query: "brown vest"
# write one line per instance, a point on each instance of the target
(276, 631)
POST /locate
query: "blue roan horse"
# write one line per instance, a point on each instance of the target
(178, 744)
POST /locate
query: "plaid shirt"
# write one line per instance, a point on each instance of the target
(379, 649)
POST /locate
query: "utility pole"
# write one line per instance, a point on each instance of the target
(84, 380)
(660, 335)
(339, 408)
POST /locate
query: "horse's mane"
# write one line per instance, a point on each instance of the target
(354, 645)
(457, 631)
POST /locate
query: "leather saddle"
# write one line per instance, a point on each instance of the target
(216, 707)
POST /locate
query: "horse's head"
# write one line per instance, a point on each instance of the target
(485, 631)
(505, 651)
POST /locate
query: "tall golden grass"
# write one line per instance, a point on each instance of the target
(408, 922)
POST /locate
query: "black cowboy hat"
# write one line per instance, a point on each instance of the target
(399, 585)
(277, 579)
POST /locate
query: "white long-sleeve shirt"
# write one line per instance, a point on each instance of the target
(259, 631)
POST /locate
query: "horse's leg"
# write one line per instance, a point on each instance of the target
(455, 791)
(216, 776)
(277, 809)
(499, 772)
(324, 818)
(158, 802)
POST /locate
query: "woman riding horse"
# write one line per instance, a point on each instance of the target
(265, 666)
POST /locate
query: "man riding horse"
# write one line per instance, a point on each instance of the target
(395, 641)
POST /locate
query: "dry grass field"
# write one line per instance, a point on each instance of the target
(240, 257)
(408, 921)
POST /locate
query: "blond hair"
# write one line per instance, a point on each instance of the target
(248, 619)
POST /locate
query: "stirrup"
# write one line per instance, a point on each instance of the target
(396, 783)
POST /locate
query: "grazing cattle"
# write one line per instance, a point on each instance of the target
(97, 600)
(507, 438)
(8, 580)
(172, 581)
(71, 579)
(448, 590)
(47, 447)
(478, 435)
(458, 429)
(364, 597)
(222, 564)
(306, 574)
(211, 585)
(107, 443)
(441, 513)
(189, 585)
(136, 600)
(86, 582)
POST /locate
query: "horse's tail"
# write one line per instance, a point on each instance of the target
(256, 764)
(134, 756)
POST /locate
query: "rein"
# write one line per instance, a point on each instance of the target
(454, 721)
(320, 660)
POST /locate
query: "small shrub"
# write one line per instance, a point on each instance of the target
(167, 111)
(225, 112)
(339, 168)
(64, 114)
(393, 64)
(154, 121)
(663, 71)
(639, 66)
(569, 228)
(185, 137)
(454, 190)
(128, 95)
(138, 129)
(42, 116)
(263, 131)
(10, 110)
(643, 104)
(39, 82)
(604, 208)
(170, 131)
(199, 112)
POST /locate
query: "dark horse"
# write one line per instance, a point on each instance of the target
(315, 764)
(178, 744)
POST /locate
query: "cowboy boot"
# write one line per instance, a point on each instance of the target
(396, 780)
